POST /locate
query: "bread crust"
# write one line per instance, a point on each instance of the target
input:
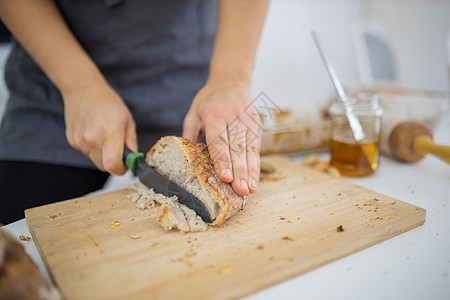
(198, 155)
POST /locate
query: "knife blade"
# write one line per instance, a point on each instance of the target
(160, 184)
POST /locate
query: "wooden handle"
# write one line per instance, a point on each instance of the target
(400, 140)
(425, 144)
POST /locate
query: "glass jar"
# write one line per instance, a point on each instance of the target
(350, 157)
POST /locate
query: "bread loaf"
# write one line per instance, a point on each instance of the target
(20, 277)
(189, 165)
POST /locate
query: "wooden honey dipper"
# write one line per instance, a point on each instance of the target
(409, 141)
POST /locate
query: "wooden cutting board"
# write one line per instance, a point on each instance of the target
(287, 228)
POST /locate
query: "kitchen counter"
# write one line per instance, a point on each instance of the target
(412, 265)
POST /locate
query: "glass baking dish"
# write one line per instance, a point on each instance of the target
(295, 130)
(408, 103)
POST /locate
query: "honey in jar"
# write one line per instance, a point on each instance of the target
(354, 159)
(350, 157)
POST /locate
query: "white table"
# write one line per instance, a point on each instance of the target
(413, 265)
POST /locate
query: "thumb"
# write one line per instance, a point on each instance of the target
(131, 136)
(192, 128)
(112, 153)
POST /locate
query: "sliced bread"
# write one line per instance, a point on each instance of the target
(189, 165)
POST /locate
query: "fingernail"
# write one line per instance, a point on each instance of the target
(244, 184)
(254, 183)
(228, 173)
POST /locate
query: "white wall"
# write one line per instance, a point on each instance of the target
(288, 67)
(416, 28)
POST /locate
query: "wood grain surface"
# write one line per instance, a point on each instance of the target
(289, 227)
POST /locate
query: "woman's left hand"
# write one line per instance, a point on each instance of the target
(223, 111)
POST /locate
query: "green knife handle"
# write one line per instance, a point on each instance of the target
(129, 157)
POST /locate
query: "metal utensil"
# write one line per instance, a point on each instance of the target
(160, 184)
(355, 125)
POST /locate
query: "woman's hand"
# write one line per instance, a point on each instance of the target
(97, 121)
(222, 110)
(99, 124)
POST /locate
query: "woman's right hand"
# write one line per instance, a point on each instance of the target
(99, 124)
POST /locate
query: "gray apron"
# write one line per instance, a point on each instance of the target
(155, 54)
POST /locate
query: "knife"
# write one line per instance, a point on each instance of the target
(160, 184)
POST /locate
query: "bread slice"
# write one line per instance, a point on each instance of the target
(189, 165)
(172, 214)
(177, 216)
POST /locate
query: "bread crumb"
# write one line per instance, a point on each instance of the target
(322, 166)
(340, 228)
(265, 178)
(313, 161)
(114, 225)
(333, 172)
(24, 238)
(267, 168)
(287, 238)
